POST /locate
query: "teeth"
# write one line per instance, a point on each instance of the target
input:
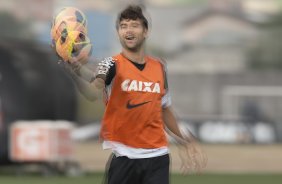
(129, 37)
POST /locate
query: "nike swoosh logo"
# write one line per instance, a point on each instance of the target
(131, 106)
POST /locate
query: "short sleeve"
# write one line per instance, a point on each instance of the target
(166, 99)
(106, 70)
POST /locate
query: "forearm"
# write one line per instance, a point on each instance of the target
(172, 126)
(91, 91)
(85, 81)
(170, 122)
(81, 71)
(91, 82)
(191, 154)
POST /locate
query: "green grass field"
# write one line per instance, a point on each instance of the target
(175, 179)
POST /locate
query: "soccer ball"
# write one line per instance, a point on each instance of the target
(70, 14)
(69, 18)
(63, 26)
(73, 46)
(69, 35)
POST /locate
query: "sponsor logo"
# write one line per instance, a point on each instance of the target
(131, 106)
(134, 85)
(105, 65)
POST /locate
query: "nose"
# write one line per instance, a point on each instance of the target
(128, 32)
(129, 29)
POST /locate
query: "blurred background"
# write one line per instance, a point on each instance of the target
(224, 68)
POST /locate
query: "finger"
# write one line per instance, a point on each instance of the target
(185, 168)
(203, 158)
(185, 165)
(189, 159)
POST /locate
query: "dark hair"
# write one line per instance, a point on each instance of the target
(132, 12)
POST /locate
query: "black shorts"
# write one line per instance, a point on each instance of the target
(122, 170)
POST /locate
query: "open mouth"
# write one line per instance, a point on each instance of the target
(129, 37)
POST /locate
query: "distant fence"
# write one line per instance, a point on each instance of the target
(250, 96)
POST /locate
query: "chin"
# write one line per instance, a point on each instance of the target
(133, 49)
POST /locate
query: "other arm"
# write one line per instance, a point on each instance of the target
(191, 154)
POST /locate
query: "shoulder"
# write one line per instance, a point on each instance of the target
(157, 60)
(108, 60)
(105, 67)
(117, 58)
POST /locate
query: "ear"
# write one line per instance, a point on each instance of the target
(146, 33)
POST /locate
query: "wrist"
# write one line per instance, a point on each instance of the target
(76, 66)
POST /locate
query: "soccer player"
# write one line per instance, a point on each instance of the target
(138, 108)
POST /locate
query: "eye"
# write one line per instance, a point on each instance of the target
(135, 25)
(122, 26)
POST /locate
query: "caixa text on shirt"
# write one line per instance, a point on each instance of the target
(134, 85)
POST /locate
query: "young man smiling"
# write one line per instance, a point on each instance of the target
(138, 109)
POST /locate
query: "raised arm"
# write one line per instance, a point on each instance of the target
(90, 83)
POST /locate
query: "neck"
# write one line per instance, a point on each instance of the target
(137, 57)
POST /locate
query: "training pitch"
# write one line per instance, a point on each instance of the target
(97, 178)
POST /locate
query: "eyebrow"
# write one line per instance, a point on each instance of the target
(122, 24)
(135, 23)
(138, 23)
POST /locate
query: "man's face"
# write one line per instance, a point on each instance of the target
(132, 34)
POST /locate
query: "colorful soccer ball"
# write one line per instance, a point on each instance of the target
(69, 18)
(73, 46)
(63, 26)
(70, 14)
(69, 35)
